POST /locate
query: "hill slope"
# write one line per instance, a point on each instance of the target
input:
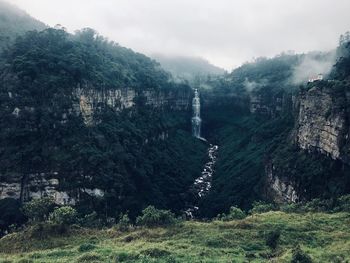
(324, 237)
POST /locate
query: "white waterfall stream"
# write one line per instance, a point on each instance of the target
(202, 184)
(196, 118)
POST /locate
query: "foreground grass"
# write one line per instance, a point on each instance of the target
(325, 237)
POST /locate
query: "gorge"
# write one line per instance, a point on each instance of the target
(108, 130)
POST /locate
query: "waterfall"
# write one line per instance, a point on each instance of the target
(202, 184)
(196, 118)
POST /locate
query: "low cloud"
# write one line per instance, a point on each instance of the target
(313, 64)
(225, 32)
(252, 85)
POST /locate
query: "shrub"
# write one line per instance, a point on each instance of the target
(25, 260)
(319, 205)
(90, 257)
(272, 238)
(343, 203)
(45, 229)
(234, 213)
(10, 214)
(91, 220)
(125, 257)
(261, 207)
(291, 208)
(152, 217)
(39, 209)
(124, 222)
(86, 247)
(156, 252)
(65, 215)
(299, 256)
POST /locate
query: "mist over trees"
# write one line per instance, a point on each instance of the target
(191, 69)
(14, 22)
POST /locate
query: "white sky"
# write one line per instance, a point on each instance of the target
(225, 32)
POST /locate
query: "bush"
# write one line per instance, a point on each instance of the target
(25, 260)
(234, 213)
(91, 220)
(125, 257)
(124, 222)
(291, 208)
(156, 252)
(46, 229)
(90, 257)
(343, 204)
(10, 214)
(272, 238)
(39, 209)
(319, 205)
(299, 256)
(65, 215)
(261, 207)
(152, 217)
(86, 247)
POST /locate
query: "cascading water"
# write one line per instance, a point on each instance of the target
(196, 118)
(202, 184)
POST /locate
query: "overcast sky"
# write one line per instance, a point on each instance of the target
(225, 32)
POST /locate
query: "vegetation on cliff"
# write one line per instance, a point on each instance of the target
(137, 157)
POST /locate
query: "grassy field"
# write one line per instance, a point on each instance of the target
(325, 237)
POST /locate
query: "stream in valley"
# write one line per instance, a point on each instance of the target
(203, 183)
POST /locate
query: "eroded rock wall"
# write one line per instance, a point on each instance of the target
(90, 100)
(322, 122)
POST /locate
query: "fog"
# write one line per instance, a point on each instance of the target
(225, 32)
(313, 64)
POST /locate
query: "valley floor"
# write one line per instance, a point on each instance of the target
(325, 237)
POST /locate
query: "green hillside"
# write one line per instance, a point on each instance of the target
(324, 237)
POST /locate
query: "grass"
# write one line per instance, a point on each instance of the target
(325, 237)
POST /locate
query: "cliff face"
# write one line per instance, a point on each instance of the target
(35, 186)
(281, 188)
(270, 104)
(317, 159)
(322, 122)
(86, 102)
(89, 100)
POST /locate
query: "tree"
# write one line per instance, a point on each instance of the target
(124, 222)
(299, 256)
(152, 217)
(272, 238)
(234, 213)
(65, 215)
(39, 209)
(10, 214)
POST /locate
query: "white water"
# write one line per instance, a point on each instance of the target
(196, 117)
(202, 184)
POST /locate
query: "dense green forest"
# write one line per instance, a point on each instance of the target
(145, 155)
(249, 141)
(123, 154)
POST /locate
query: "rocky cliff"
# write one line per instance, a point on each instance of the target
(89, 100)
(322, 123)
(315, 158)
(86, 102)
